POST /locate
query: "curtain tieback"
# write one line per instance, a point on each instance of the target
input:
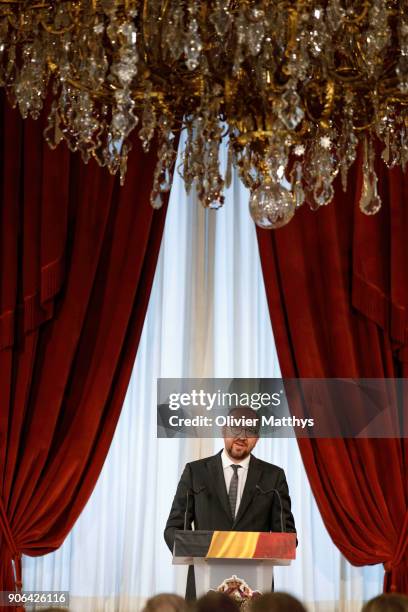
(392, 574)
(15, 554)
(399, 561)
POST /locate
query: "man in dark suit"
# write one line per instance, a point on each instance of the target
(232, 490)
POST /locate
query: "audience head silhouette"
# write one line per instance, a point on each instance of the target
(166, 602)
(216, 602)
(277, 602)
(388, 602)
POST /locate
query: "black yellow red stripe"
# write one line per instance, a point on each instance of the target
(251, 545)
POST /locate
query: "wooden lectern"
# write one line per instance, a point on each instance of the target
(229, 560)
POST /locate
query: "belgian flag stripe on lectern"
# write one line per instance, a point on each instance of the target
(250, 545)
(234, 545)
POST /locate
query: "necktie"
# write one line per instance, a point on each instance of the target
(233, 489)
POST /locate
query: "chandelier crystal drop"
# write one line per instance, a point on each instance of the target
(292, 86)
(271, 205)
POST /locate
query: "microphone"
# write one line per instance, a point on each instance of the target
(194, 492)
(260, 489)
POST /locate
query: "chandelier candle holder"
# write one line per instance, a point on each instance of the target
(292, 87)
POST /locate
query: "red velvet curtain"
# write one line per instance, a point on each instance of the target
(78, 255)
(337, 288)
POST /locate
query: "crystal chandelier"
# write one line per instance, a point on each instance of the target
(293, 87)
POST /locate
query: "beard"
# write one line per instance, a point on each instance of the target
(238, 449)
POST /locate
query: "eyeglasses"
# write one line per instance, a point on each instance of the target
(240, 432)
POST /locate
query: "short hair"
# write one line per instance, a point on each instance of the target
(166, 602)
(277, 602)
(387, 602)
(215, 601)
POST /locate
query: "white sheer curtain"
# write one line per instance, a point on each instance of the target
(207, 317)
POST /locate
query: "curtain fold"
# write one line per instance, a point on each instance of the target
(380, 257)
(337, 288)
(78, 255)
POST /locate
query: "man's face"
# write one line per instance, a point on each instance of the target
(240, 441)
(239, 448)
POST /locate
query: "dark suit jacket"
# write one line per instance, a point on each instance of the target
(209, 509)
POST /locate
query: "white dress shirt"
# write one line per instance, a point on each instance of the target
(242, 474)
